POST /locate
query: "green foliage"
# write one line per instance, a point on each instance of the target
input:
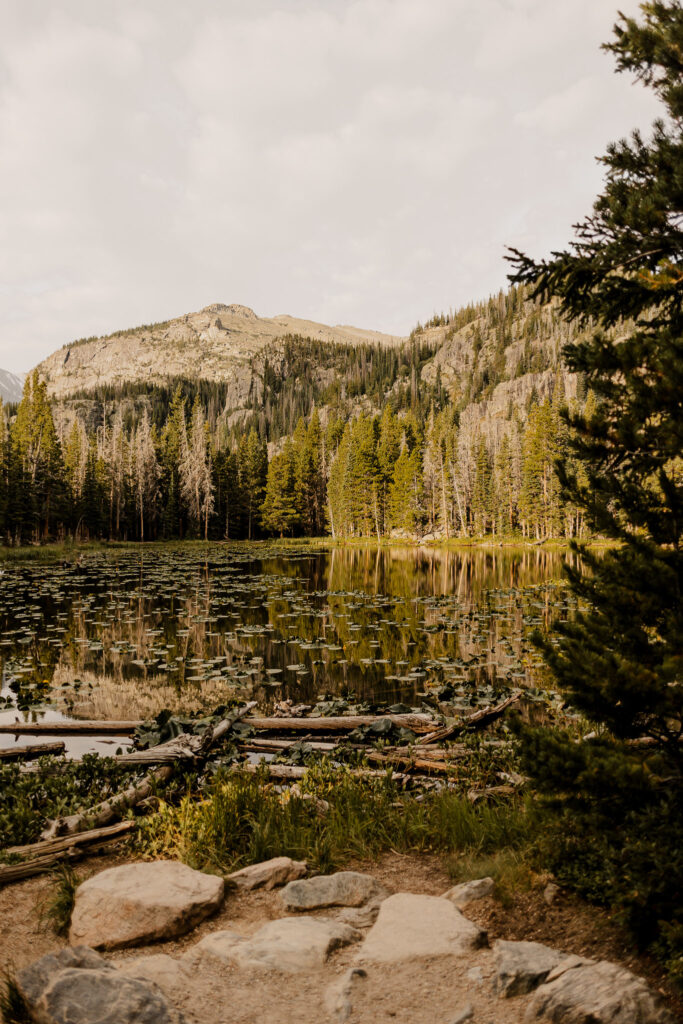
(243, 820)
(619, 797)
(56, 787)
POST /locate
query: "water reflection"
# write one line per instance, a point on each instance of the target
(128, 633)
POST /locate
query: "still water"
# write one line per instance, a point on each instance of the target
(127, 633)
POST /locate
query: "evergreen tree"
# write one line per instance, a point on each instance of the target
(280, 513)
(619, 661)
(253, 467)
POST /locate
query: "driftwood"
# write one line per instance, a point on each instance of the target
(296, 771)
(69, 726)
(31, 752)
(41, 856)
(477, 719)
(347, 723)
(100, 815)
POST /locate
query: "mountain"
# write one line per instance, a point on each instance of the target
(218, 343)
(11, 386)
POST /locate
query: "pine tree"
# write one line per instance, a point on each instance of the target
(280, 512)
(619, 661)
(253, 467)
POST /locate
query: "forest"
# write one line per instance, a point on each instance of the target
(173, 468)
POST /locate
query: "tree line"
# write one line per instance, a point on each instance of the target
(407, 471)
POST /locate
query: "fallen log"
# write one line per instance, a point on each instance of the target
(295, 771)
(101, 814)
(408, 762)
(68, 727)
(477, 719)
(31, 752)
(44, 855)
(419, 723)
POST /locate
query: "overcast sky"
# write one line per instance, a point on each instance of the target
(350, 162)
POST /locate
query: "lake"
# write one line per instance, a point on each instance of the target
(129, 632)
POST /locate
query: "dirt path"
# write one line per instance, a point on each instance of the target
(431, 991)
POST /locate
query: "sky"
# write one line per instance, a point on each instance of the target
(349, 161)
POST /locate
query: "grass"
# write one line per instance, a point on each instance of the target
(59, 906)
(244, 819)
(12, 1006)
(510, 868)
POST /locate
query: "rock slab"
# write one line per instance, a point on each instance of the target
(159, 968)
(288, 944)
(342, 889)
(139, 903)
(476, 889)
(268, 874)
(410, 926)
(77, 986)
(522, 966)
(596, 993)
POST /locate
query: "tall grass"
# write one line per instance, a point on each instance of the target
(244, 819)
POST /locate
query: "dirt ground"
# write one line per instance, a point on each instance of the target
(431, 991)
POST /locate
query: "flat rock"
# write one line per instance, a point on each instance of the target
(596, 993)
(410, 926)
(160, 968)
(342, 889)
(77, 986)
(522, 966)
(268, 874)
(288, 944)
(466, 892)
(139, 903)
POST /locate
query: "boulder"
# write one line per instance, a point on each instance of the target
(596, 993)
(522, 966)
(466, 892)
(268, 874)
(410, 926)
(139, 903)
(288, 944)
(77, 986)
(342, 889)
(339, 995)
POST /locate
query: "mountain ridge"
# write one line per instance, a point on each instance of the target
(215, 343)
(11, 386)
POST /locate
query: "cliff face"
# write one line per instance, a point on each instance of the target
(217, 344)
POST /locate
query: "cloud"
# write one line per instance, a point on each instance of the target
(356, 161)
